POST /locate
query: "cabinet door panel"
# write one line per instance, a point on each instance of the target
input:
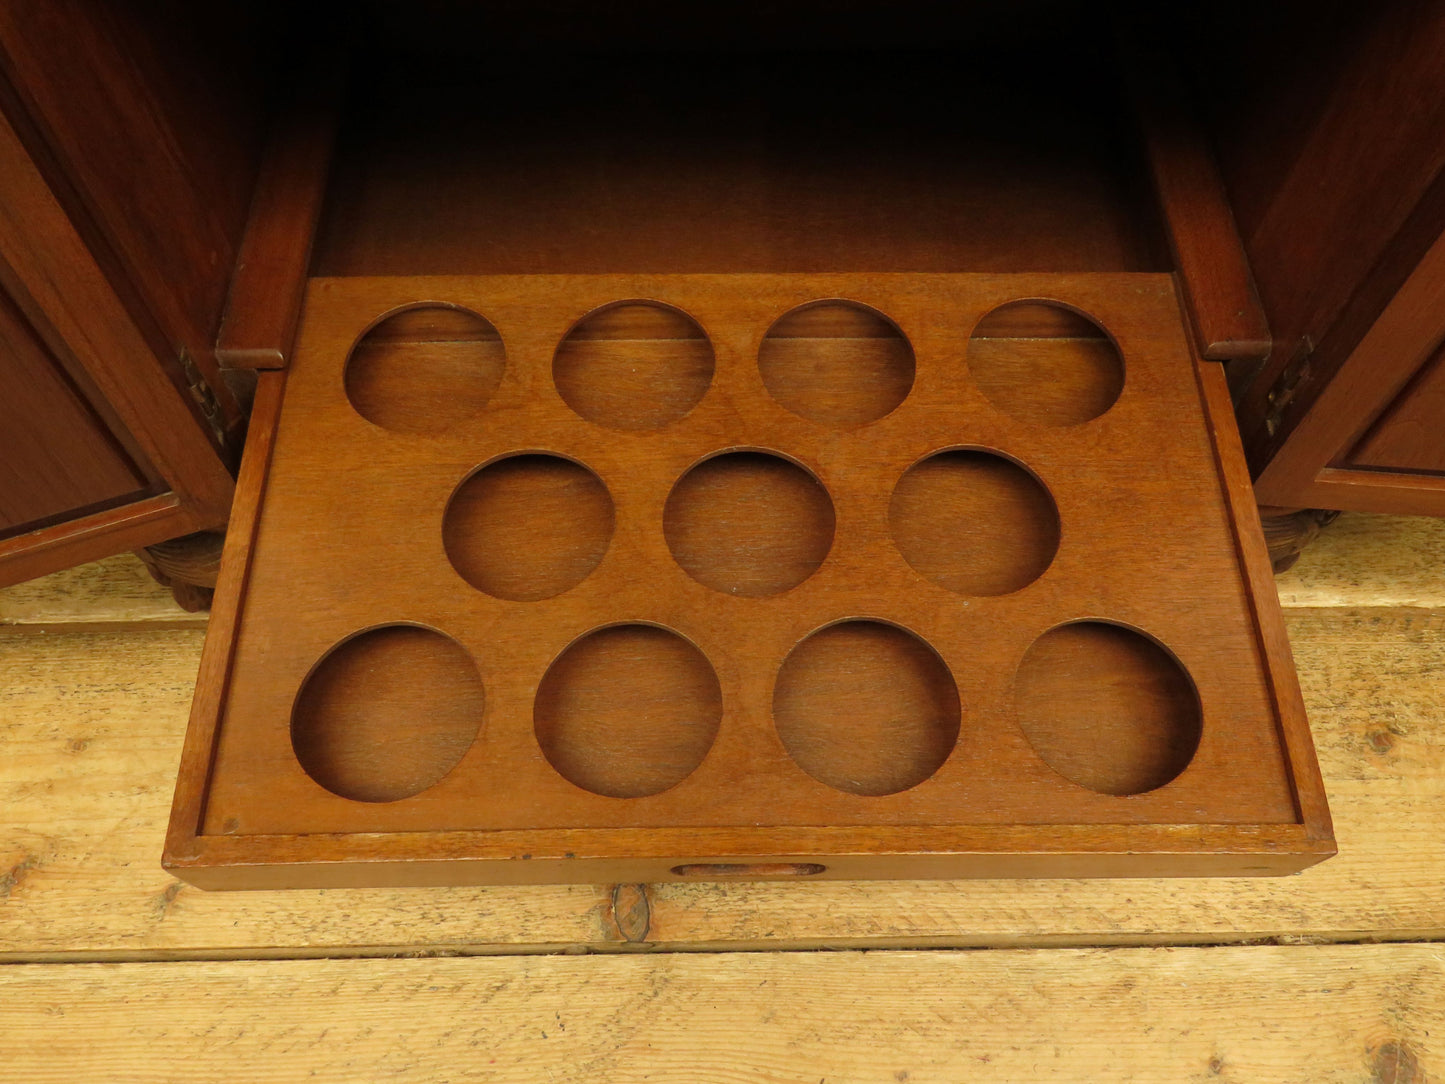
(56, 455)
(1410, 435)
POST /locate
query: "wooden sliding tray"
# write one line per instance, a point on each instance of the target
(636, 578)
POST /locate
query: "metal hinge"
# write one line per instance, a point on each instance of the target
(1288, 383)
(203, 396)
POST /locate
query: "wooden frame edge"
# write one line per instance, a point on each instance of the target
(140, 523)
(1294, 729)
(603, 856)
(213, 680)
(1220, 298)
(263, 310)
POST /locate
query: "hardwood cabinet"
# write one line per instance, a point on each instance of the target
(133, 136)
(129, 140)
(1329, 121)
(989, 173)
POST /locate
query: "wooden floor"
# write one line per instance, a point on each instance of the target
(114, 971)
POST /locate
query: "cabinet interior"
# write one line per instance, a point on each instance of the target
(876, 140)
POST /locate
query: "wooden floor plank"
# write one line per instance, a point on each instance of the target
(1308, 1014)
(1370, 560)
(91, 725)
(117, 591)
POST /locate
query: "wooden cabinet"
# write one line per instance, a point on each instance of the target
(134, 135)
(1330, 126)
(734, 464)
(129, 141)
(952, 172)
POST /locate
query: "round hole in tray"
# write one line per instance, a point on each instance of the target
(425, 369)
(974, 522)
(749, 523)
(866, 707)
(1106, 707)
(837, 363)
(387, 713)
(634, 365)
(528, 527)
(1045, 364)
(628, 711)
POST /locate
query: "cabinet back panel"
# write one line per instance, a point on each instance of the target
(550, 162)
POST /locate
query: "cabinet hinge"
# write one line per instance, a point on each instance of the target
(203, 396)
(1288, 383)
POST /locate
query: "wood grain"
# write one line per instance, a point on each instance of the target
(147, 119)
(91, 535)
(263, 306)
(387, 713)
(59, 457)
(1318, 1013)
(456, 354)
(1311, 95)
(1406, 436)
(1045, 364)
(114, 592)
(504, 808)
(1370, 560)
(633, 366)
(1394, 348)
(66, 296)
(1228, 320)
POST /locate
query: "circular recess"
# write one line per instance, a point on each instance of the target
(387, 713)
(634, 365)
(628, 711)
(1107, 707)
(425, 369)
(1045, 364)
(974, 522)
(837, 363)
(866, 707)
(748, 523)
(528, 527)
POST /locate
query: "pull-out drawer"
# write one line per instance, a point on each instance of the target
(812, 473)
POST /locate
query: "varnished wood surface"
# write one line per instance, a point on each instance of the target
(1407, 435)
(997, 776)
(1227, 318)
(1300, 92)
(94, 722)
(66, 296)
(58, 454)
(263, 305)
(126, 526)
(147, 118)
(1398, 345)
(1300, 1013)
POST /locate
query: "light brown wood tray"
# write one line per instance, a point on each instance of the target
(633, 578)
